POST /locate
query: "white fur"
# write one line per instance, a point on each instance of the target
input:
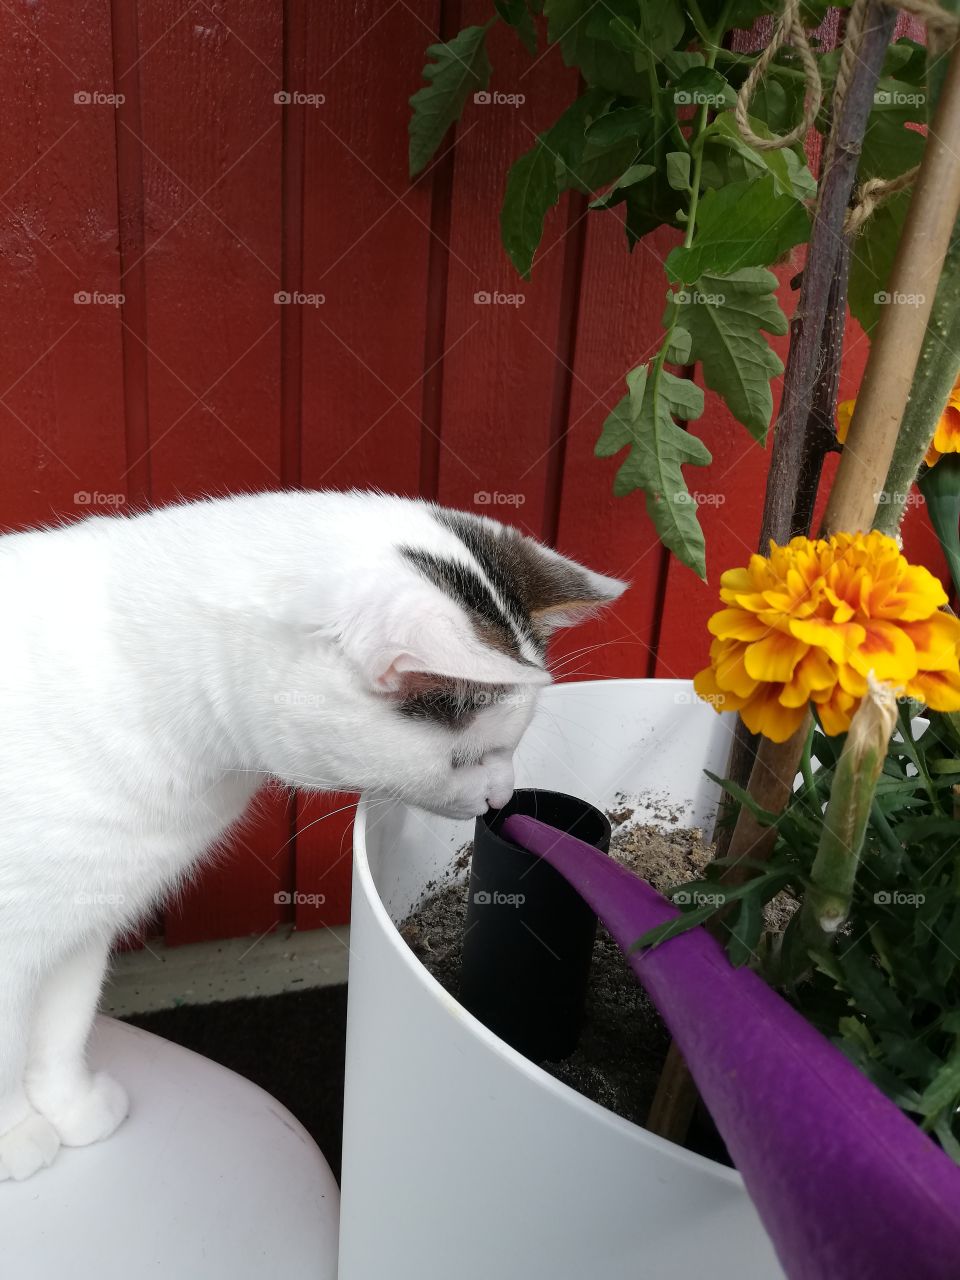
(155, 672)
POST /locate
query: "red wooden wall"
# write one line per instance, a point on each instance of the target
(147, 164)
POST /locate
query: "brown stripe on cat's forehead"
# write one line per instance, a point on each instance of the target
(526, 578)
(464, 585)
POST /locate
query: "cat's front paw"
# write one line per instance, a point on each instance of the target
(89, 1115)
(29, 1146)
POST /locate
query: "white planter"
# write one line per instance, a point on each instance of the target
(462, 1160)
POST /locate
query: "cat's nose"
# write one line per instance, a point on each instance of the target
(500, 782)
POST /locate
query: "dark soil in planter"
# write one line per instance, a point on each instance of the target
(624, 1041)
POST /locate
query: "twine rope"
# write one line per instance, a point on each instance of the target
(790, 30)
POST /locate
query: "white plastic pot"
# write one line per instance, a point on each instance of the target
(461, 1159)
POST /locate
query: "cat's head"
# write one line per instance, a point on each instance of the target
(457, 650)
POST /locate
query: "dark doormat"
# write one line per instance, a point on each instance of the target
(291, 1045)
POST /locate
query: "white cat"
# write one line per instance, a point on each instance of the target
(157, 670)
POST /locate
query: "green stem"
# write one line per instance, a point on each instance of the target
(711, 41)
(933, 381)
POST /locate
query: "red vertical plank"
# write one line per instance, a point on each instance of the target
(621, 305)
(367, 251)
(500, 373)
(61, 377)
(210, 142)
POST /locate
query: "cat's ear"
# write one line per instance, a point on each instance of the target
(430, 636)
(561, 593)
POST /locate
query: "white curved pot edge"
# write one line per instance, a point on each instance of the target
(543, 1079)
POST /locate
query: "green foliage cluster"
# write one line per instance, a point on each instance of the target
(888, 990)
(653, 139)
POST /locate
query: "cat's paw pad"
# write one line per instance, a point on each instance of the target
(27, 1147)
(92, 1114)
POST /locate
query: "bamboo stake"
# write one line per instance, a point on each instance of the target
(898, 338)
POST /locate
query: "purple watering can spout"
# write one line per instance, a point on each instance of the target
(846, 1185)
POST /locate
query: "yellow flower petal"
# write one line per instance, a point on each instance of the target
(763, 713)
(838, 640)
(844, 418)
(706, 687)
(887, 651)
(940, 690)
(736, 624)
(813, 672)
(774, 657)
(936, 641)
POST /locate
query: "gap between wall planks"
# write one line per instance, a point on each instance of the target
(198, 198)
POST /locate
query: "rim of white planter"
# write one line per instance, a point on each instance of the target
(460, 1155)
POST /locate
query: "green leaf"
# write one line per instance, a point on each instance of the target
(745, 224)
(791, 175)
(561, 158)
(644, 421)
(725, 317)
(702, 86)
(872, 252)
(889, 147)
(745, 934)
(943, 1092)
(454, 70)
(620, 125)
(678, 170)
(940, 485)
(636, 173)
(517, 14)
(572, 24)
(532, 189)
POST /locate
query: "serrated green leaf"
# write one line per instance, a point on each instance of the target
(678, 170)
(644, 421)
(516, 13)
(455, 70)
(725, 317)
(744, 224)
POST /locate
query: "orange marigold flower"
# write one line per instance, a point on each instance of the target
(946, 438)
(812, 620)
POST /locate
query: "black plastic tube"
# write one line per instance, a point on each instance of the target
(529, 936)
